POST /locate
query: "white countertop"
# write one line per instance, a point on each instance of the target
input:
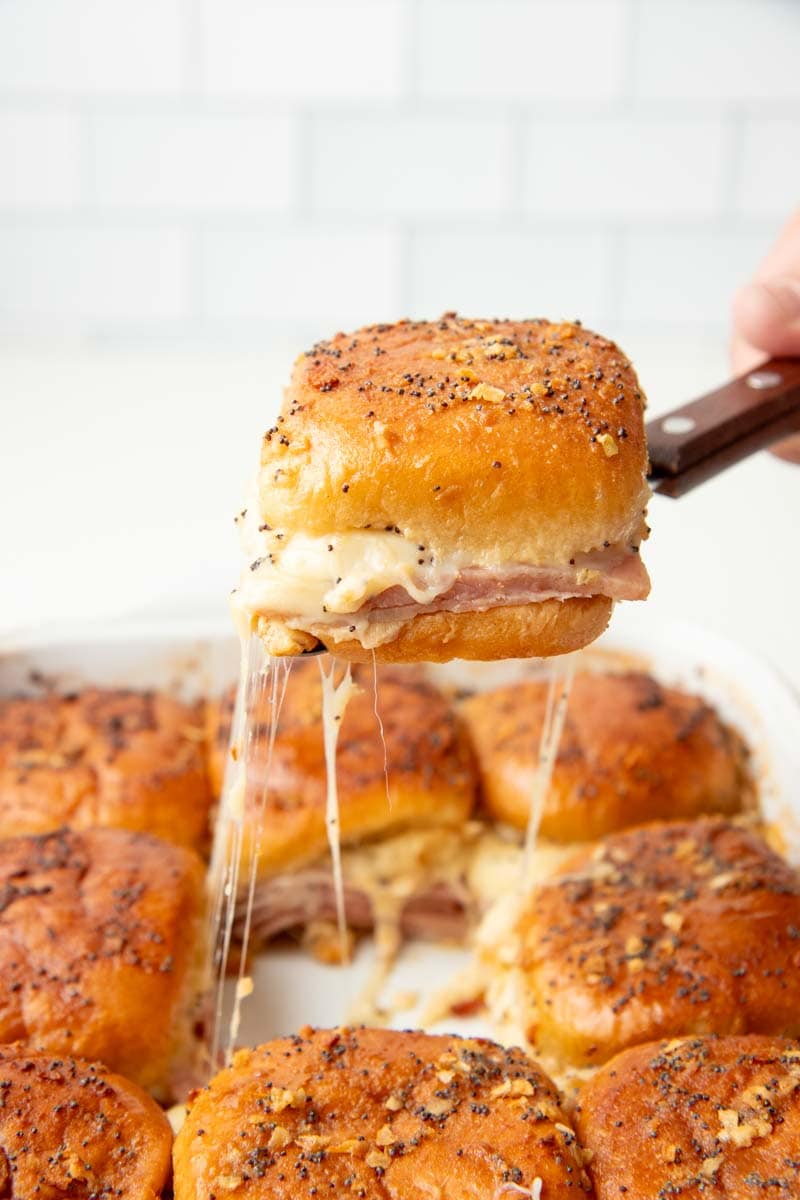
(122, 473)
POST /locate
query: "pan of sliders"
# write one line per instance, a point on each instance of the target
(655, 920)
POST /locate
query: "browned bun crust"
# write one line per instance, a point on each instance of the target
(99, 940)
(71, 1128)
(432, 780)
(376, 1113)
(706, 1116)
(631, 751)
(514, 631)
(104, 758)
(391, 426)
(663, 930)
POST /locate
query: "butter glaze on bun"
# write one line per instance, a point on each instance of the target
(696, 1117)
(438, 480)
(376, 1114)
(432, 780)
(664, 930)
(99, 952)
(632, 750)
(72, 1128)
(104, 758)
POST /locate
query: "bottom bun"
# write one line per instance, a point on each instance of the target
(515, 631)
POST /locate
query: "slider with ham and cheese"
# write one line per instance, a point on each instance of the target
(406, 785)
(448, 489)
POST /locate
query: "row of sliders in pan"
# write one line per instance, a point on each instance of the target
(660, 929)
(374, 1113)
(379, 1114)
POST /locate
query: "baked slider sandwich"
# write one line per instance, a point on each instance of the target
(448, 489)
(696, 1117)
(71, 1128)
(371, 1113)
(101, 952)
(632, 750)
(406, 788)
(104, 758)
(664, 930)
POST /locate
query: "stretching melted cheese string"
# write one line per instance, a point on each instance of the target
(259, 677)
(271, 678)
(380, 729)
(225, 855)
(334, 702)
(558, 692)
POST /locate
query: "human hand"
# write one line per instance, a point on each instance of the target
(766, 314)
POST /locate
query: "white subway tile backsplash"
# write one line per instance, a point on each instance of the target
(768, 178)
(86, 47)
(335, 278)
(57, 276)
(521, 49)
(197, 163)
(687, 276)
(627, 166)
(509, 273)
(40, 159)
(259, 168)
(718, 50)
(304, 49)
(410, 165)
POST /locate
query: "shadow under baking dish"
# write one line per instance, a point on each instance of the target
(292, 988)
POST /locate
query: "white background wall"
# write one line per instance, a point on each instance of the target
(238, 169)
(192, 189)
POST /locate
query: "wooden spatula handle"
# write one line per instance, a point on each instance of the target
(706, 435)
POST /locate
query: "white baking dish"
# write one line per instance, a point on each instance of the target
(197, 656)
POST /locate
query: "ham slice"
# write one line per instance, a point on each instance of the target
(285, 903)
(620, 575)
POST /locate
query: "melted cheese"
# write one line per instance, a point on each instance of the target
(260, 677)
(335, 698)
(315, 577)
(558, 692)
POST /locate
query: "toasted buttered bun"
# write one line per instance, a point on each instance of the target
(660, 931)
(631, 751)
(696, 1117)
(444, 489)
(431, 775)
(375, 1113)
(99, 951)
(471, 435)
(72, 1128)
(537, 630)
(104, 758)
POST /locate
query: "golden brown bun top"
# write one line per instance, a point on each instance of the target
(697, 1118)
(522, 441)
(98, 937)
(375, 1114)
(431, 781)
(71, 1128)
(104, 758)
(663, 930)
(632, 750)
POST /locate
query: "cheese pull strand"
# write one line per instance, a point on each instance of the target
(226, 851)
(335, 697)
(558, 693)
(260, 677)
(270, 677)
